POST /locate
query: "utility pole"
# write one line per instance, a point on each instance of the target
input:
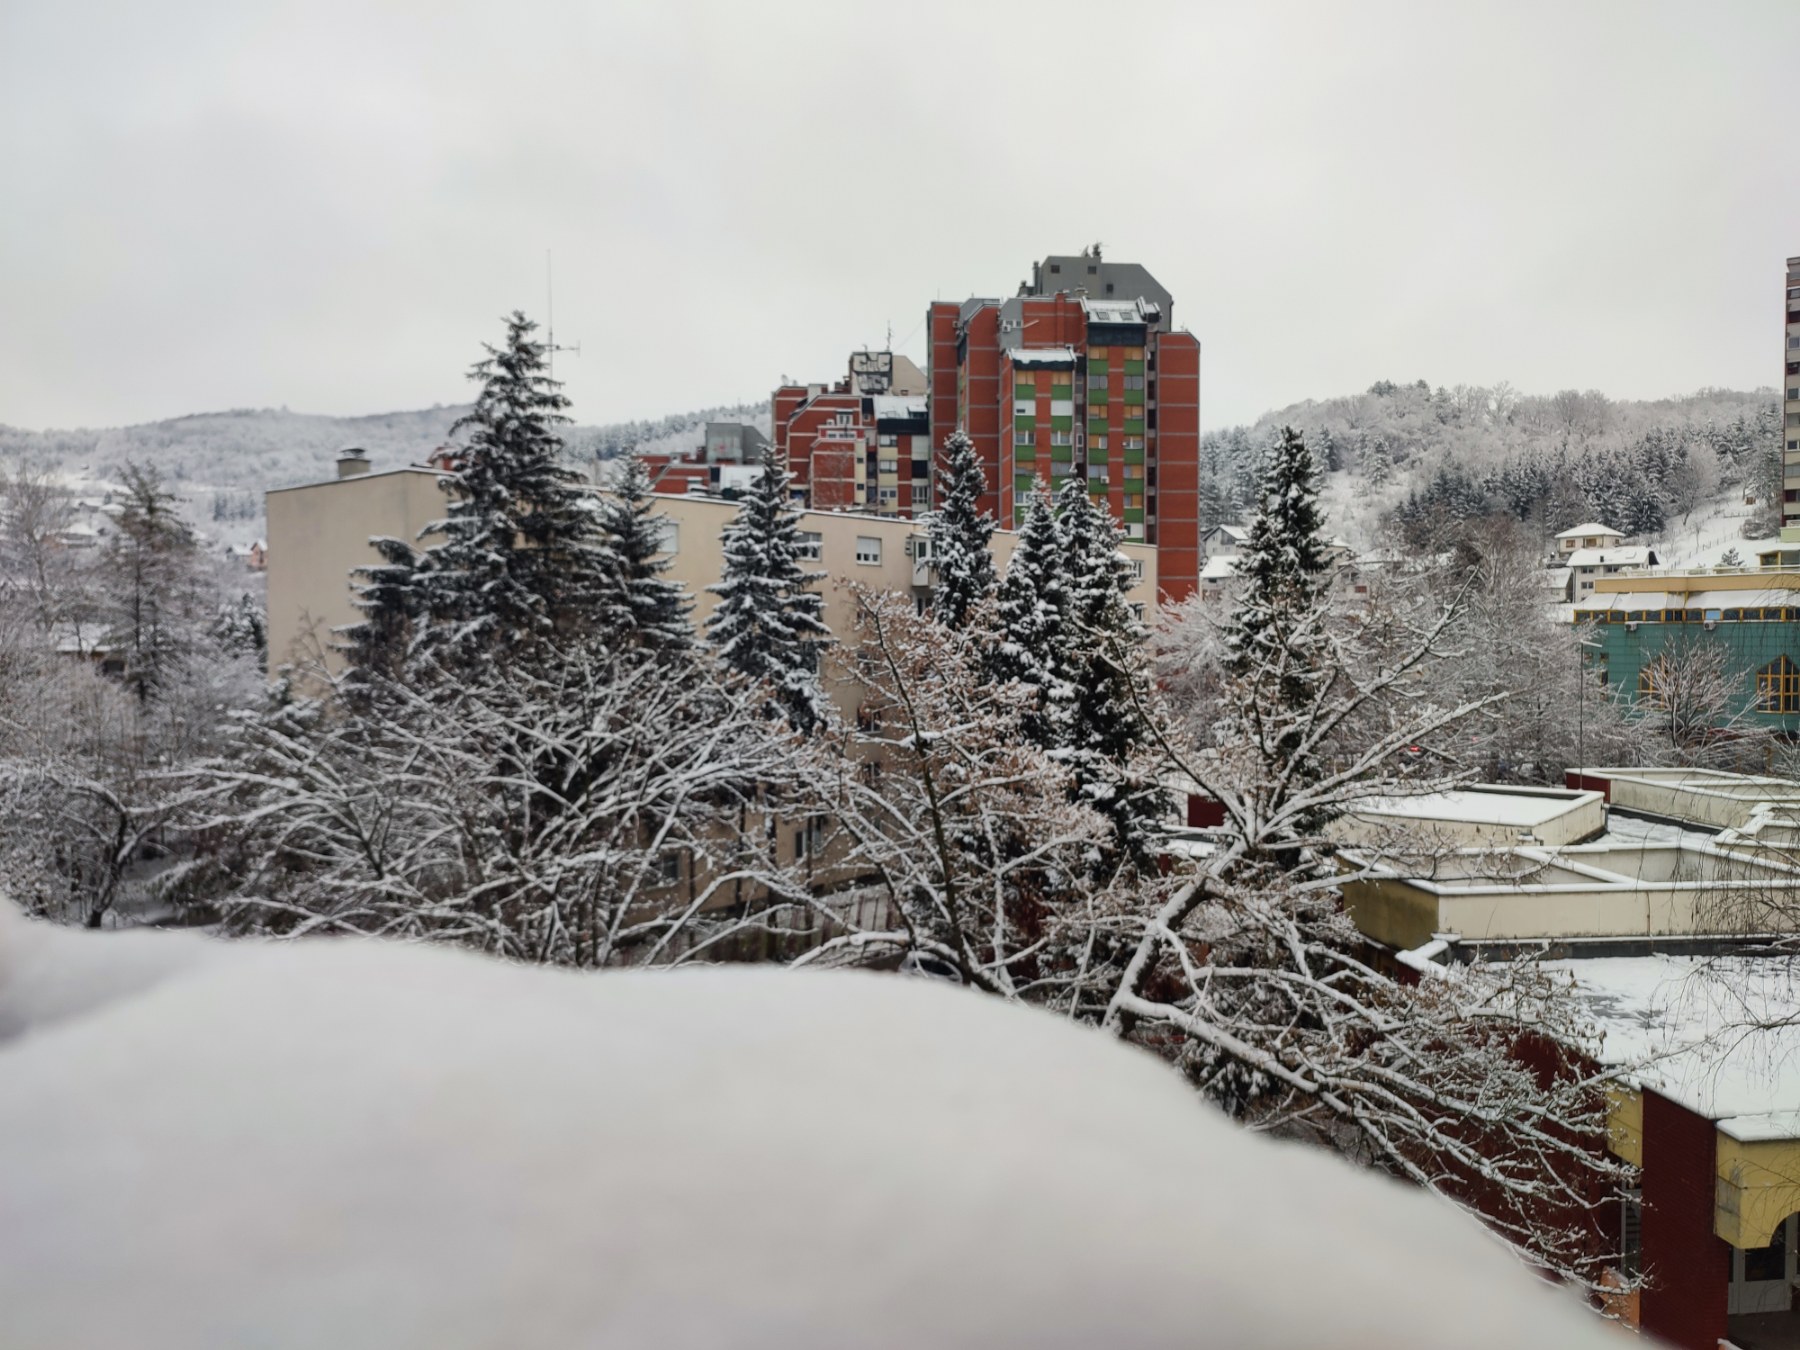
(550, 347)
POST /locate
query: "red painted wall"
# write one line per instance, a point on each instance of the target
(1688, 1269)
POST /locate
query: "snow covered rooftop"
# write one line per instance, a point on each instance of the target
(1219, 569)
(353, 1143)
(1041, 356)
(1120, 311)
(1523, 807)
(1637, 555)
(1591, 528)
(1775, 598)
(898, 406)
(1682, 1019)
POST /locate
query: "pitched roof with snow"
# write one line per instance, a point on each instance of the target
(1575, 532)
(1219, 569)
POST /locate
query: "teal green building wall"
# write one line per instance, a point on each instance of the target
(1749, 646)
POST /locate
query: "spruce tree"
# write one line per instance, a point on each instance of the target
(654, 610)
(767, 624)
(522, 557)
(1278, 649)
(1033, 610)
(1103, 667)
(961, 536)
(151, 585)
(387, 595)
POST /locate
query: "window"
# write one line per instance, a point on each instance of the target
(1134, 381)
(810, 841)
(888, 497)
(1096, 382)
(921, 494)
(1062, 438)
(1778, 687)
(1132, 442)
(810, 545)
(1097, 471)
(1134, 501)
(868, 550)
(1137, 569)
(888, 466)
(1097, 442)
(887, 440)
(1654, 684)
(1134, 530)
(671, 535)
(1024, 436)
(668, 867)
(1097, 412)
(1137, 611)
(1134, 470)
(1065, 378)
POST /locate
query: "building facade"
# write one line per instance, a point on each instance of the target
(860, 444)
(1080, 374)
(1790, 407)
(1643, 631)
(319, 532)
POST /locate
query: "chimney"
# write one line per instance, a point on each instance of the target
(352, 462)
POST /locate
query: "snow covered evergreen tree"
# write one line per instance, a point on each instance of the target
(387, 595)
(151, 586)
(1033, 616)
(961, 536)
(654, 609)
(522, 557)
(1285, 574)
(767, 625)
(1107, 729)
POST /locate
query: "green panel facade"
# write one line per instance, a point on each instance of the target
(1622, 651)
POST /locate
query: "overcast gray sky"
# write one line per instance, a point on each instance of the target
(328, 206)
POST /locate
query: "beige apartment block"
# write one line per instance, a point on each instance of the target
(319, 532)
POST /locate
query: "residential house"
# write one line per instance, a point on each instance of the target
(1588, 565)
(1589, 536)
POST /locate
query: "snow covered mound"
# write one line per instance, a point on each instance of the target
(348, 1145)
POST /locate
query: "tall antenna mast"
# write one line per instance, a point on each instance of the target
(550, 347)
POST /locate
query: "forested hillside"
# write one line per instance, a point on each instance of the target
(221, 463)
(1416, 463)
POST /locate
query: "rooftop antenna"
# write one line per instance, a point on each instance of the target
(550, 347)
(890, 336)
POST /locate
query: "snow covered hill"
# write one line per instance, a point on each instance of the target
(222, 463)
(358, 1144)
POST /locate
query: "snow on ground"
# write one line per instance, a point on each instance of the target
(358, 1144)
(1699, 539)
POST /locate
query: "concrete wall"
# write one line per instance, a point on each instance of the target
(319, 532)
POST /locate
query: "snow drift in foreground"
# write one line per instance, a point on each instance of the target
(355, 1144)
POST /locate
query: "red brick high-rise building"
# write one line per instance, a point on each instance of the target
(861, 444)
(1080, 374)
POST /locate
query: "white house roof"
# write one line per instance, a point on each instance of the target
(1219, 569)
(1237, 532)
(1591, 528)
(1042, 356)
(1636, 556)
